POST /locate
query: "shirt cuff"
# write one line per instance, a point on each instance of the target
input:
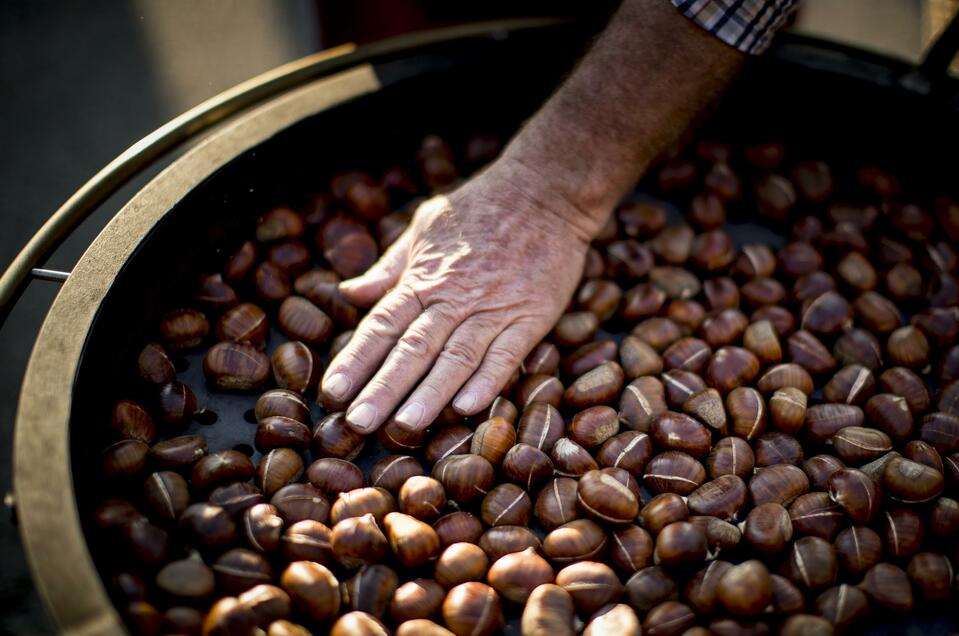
(747, 25)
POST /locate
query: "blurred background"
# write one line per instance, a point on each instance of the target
(82, 81)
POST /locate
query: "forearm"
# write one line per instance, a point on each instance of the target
(649, 74)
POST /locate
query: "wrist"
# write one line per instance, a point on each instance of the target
(546, 192)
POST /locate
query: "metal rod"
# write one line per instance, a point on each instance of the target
(51, 275)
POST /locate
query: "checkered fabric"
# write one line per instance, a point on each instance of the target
(747, 25)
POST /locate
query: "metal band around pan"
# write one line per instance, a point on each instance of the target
(50, 525)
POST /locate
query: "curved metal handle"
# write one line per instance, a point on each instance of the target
(939, 57)
(200, 118)
(933, 72)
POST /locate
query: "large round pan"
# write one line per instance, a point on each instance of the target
(277, 138)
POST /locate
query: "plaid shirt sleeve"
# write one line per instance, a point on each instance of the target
(747, 25)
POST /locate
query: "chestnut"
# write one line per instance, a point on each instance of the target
(567, 458)
(493, 438)
(700, 590)
(670, 618)
(333, 438)
(458, 527)
(577, 540)
(506, 504)
(549, 611)
(858, 445)
(278, 468)
(598, 386)
(308, 540)
(227, 616)
(776, 447)
(416, 599)
(556, 503)
(707, 405)
(722, 498)
(283, 403)
(392, 471)
(459, 563)
(473, 609)
(674, 472)
(613, 619)
(649, 587)
(630, 450)
(592, 585)
(421, 627)
(422, 497)
(643, 400)
(205, 525)
(183, 328)
(605, 499)
(267, 602)
(811, 564)
(413, 542)
(362, 501)
(903, 532)
(333, 476)
(358, 541)
(859, 495)
(296, 367)
(296, 502)
(452, 440)
(911, 482)
(166, 494)
(516, 575)
(932, 574)
(747, 413)
(731, 456)
(745, 589)
(155, 366)
(464, 477)
(680, 543)
(844, 606)
(768, 528)
(313, 589)
(131, 421)
(187, 580)
(662, 510)
(245, 322)
(780, 483)
(887, 586)
(501, 540)
(178, 453)
(236, 366)
(277, 431)
(236, 497)
(631, 548)
(358, 624)
(815, 514)
(239, 569)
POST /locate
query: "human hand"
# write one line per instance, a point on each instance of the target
(476, 281)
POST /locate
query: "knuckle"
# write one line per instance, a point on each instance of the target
(461, 354)
(379, 324)
(414, 344)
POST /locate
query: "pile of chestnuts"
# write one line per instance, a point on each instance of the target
(771, 445)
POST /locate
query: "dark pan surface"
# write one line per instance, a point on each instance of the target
(455, 92)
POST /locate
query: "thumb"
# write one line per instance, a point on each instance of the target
(369, 287)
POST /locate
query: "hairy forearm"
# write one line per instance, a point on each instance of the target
(642, 83)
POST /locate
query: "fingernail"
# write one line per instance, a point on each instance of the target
(362, 417)
(465, 403)
(410, 415)
(337, 386)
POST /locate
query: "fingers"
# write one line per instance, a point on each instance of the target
(372, 285)
(460, 357)
(375, 336)
(503, 357)
(409, 359)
